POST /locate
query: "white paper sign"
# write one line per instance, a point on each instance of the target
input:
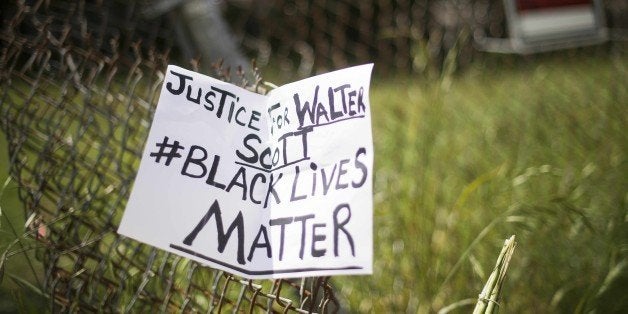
(271, 186)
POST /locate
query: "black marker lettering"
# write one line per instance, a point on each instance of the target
(192, 99)
(334, 114)
(294, 187)
(252, 159)
(327, 183)
(362, 166)
(270, 110)
(223, 238)
(304, 133)
(182, 79)
(285, 116)
(313, 167)
(341, 226)
(231, 111)
(254, 117)
(209, 102)
(262, 157)
(341, 173)
(211, 178)
(241, 109)
(256, 177)
(317, 238)
(223, 99)
(306, 108)
(361, 106)
(321, 112)
(266, 244)
(351, 103)
(303, 220)
(271, 189)
(197, 161)
(281, 222)
(242, 184)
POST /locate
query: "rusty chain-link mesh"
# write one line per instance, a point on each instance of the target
(78, 93)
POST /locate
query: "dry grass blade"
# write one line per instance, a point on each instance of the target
(488, 301)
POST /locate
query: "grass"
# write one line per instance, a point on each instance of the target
(536, 148)
(14, 295)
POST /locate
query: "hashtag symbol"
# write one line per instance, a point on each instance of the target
(169, 151)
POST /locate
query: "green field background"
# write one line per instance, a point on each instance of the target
(531, 146)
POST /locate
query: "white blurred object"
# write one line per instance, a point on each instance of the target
(202, 31)
(537, 26)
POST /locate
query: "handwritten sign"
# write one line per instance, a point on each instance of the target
(271, 186)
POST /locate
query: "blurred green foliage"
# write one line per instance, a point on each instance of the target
(536, 148)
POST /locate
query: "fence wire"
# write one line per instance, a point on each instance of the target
(79, 87)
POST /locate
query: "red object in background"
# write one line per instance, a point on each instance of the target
(523, 5)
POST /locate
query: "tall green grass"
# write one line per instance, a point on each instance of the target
(537, 149)
(19, 269)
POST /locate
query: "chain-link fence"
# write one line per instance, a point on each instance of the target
(301, 37)
(78, 94)
(79, 84)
